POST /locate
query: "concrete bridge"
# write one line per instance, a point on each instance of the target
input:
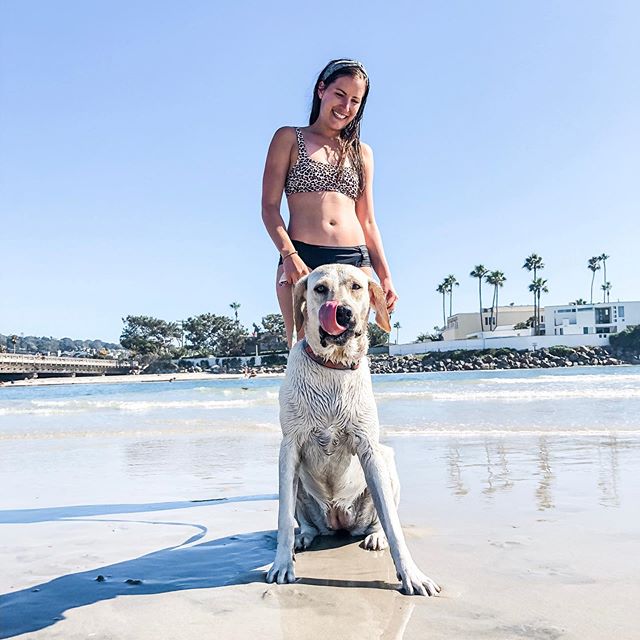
(18, 365)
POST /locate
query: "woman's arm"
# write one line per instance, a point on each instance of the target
(275, 175)
(364, 211)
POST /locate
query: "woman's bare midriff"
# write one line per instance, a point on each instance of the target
(324, 218)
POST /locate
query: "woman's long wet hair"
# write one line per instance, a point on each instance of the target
(350, 135)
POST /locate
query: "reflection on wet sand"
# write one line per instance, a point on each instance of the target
(455, 472)
(608, 472)
(498, 477)
(545, 477)
(497, 465)
(355, 589)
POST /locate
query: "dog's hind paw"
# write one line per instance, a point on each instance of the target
(375, 541)
(304, 540)
(281, 572)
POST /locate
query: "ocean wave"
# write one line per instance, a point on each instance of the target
(45, 407)
(531, 395)
(579, 378)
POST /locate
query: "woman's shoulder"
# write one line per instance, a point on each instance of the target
(366, 150)
(285, 133)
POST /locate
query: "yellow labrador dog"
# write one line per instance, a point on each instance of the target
(334, 474)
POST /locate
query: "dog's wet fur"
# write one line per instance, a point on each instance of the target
(334, 474)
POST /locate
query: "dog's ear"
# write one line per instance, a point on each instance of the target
(300, 302)
(379, 304)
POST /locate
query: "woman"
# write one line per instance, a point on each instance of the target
(327, 175)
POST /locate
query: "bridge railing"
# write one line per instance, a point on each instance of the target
(15, 360)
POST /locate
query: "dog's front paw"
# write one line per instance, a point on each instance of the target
(281, 571)
(414, 582)
(375, 541)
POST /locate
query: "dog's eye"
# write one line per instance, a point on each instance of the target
(355, 286)
(320, 289)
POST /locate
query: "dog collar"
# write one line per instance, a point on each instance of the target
(326, 363)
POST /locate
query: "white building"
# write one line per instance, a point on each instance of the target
(602, 318)
(568, 325)
(467, 325)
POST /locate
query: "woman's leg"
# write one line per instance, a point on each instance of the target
(284, 294)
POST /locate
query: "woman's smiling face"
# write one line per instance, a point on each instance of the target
(341, 100)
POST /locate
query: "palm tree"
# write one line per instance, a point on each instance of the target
(538, 287)
(579, 301)
(450, 281)
(442, 288)
(533, 263)
(496, 279)
(479, 271)
(603, 257)
(593, 265)
(397, 326)
(235, 306)
(14, 342)
(606, 287)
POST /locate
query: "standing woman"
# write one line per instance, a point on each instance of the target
(327, 175)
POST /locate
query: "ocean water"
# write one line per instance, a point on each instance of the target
(576, 401)
(471, 436)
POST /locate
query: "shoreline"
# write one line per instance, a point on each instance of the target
(131, 377)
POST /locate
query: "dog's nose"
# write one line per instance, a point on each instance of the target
(343, 315)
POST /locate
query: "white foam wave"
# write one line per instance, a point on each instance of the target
(530, 395)
(45, 407)
(577, 378)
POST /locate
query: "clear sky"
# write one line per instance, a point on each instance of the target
(133, 137)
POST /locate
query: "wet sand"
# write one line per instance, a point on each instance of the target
(530, 537)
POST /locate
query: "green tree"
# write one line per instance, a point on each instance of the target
(211, 334)
(147, 336)
(442, 288)
(479, 271)
(534, 263)
(449, 282)
(377, 336)
(496, 279)
(235, 306)
(593, 265)
(579, 301)
(538, 287)
(397, 326)
(603, 257)
(606, 288)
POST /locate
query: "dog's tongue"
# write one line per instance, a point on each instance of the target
(328, 319)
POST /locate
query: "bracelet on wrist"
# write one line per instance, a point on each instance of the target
(293, 253)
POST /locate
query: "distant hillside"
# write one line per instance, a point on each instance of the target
(33, 344)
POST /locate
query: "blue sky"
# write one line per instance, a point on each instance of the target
(133, 137)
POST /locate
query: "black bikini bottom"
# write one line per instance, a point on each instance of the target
(314, 256)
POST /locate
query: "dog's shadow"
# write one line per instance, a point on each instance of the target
(231, 560)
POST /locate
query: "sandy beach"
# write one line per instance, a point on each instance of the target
(531, 535)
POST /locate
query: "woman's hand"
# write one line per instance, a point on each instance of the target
(293, 269)
(389, 293)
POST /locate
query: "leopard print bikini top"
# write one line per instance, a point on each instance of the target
(310, 175)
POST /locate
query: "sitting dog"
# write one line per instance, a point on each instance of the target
(333, 472)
